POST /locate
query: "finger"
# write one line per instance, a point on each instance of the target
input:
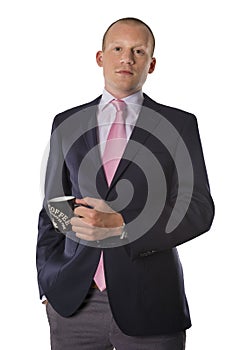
(86, 237)
(81, 201)
(87, 201)
(83, 211)
(85, 222)
(99, 205)
(79, 222)
(95, 235)
(82, 230)
(90, 234)
(93, 202)
(85, 233)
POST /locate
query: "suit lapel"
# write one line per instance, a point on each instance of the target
(90, 135)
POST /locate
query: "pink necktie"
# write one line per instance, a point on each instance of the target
(116, 142)
(115, 145)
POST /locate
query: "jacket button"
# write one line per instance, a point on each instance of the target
(144, 254)
(147, 253)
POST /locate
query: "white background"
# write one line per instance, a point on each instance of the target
(48, 65)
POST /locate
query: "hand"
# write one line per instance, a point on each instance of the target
(98, 223)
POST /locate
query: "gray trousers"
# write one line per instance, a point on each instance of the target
(93, 328)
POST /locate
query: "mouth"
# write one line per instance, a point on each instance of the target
(124, 72)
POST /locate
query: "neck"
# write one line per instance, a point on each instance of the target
(120, 95)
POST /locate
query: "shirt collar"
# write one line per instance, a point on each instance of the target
(134, 99)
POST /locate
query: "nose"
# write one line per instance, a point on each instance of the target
(127, 57)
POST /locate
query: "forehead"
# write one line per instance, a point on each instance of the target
(128, 32)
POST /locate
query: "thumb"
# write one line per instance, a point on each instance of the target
(92, 202)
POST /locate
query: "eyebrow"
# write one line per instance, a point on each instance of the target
(121, 43)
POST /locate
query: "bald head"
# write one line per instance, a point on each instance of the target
(130, 21)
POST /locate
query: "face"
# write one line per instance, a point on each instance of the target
(126, 59)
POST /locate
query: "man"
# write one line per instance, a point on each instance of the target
(116, 280)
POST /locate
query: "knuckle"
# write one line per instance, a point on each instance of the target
(94, 216)
(92, 230)
(103, 204)
(74, 228)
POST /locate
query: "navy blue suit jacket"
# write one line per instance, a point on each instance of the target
(144, 276)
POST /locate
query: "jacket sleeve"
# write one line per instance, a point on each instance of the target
(194, 194)
(51, 243)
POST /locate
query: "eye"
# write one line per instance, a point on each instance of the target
(139, 52)
(117, 49)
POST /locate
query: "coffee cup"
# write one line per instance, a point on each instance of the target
(60, 210)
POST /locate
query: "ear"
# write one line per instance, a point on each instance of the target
(152, 65)
(99, 56)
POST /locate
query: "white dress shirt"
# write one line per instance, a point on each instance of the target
(107, 112)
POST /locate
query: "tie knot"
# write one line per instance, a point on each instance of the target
(119, 105)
